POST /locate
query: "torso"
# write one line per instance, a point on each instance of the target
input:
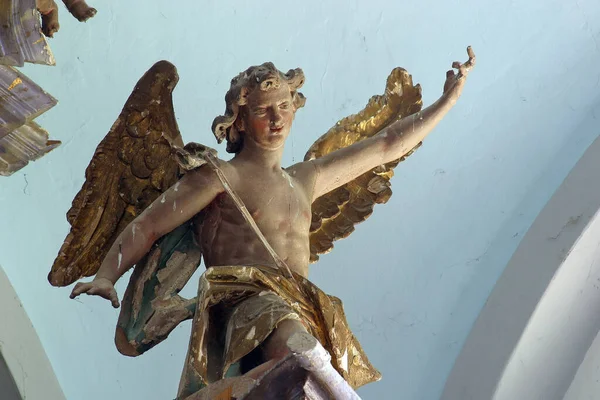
(280, 204)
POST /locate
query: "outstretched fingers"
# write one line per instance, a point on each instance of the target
(80, 288)
(471, 54)
(91, 289)
(464, 68)
(114, 299)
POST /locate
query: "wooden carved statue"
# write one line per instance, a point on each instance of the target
(152, 202)
(49, 10)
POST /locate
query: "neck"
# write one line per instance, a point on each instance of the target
(259, 156)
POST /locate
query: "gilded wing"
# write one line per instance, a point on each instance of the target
(335, 213)
(132, 166)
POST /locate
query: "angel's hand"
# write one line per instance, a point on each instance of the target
(49, 11)
(455, 82)
(80, 10)
(99, 287)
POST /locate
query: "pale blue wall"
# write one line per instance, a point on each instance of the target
(415, 275)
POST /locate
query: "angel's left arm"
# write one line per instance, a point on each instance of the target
(391, 143)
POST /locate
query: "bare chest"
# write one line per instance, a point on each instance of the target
(274, 204)
(282, 212)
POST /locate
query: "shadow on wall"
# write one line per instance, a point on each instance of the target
(540, 302)
(586, 384)
(8, 387)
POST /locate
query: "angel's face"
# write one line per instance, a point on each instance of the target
(268, 116)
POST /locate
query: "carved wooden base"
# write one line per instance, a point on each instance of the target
(306, 373)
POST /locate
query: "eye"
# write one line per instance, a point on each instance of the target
(284, 106)
(260, 111)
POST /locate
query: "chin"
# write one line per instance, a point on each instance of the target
(276, 143)
(278, 140)
(276, 136)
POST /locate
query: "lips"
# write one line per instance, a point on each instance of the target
(276, 130)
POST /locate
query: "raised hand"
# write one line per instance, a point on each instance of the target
(49, 11)
(455, 82)
(98, 287)
(80, 10)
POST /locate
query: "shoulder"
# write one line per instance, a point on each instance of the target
(207, 176)
(301, 169)
(305, 174)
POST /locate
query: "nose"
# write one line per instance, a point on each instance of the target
(276, 117)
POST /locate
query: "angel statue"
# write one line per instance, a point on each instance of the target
(149, 201)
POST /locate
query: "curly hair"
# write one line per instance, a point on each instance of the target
(265, 77)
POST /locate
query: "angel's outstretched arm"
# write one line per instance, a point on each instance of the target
(182, 201)
(393, 142)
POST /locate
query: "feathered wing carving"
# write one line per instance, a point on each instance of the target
(140, 157)
(335, 214)
(132, 166)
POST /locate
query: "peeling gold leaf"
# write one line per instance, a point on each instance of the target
(336, 213)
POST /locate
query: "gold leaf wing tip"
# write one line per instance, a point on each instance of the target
(400, 99)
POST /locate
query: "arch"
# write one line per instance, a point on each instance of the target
(22, 350)
(542, 315)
